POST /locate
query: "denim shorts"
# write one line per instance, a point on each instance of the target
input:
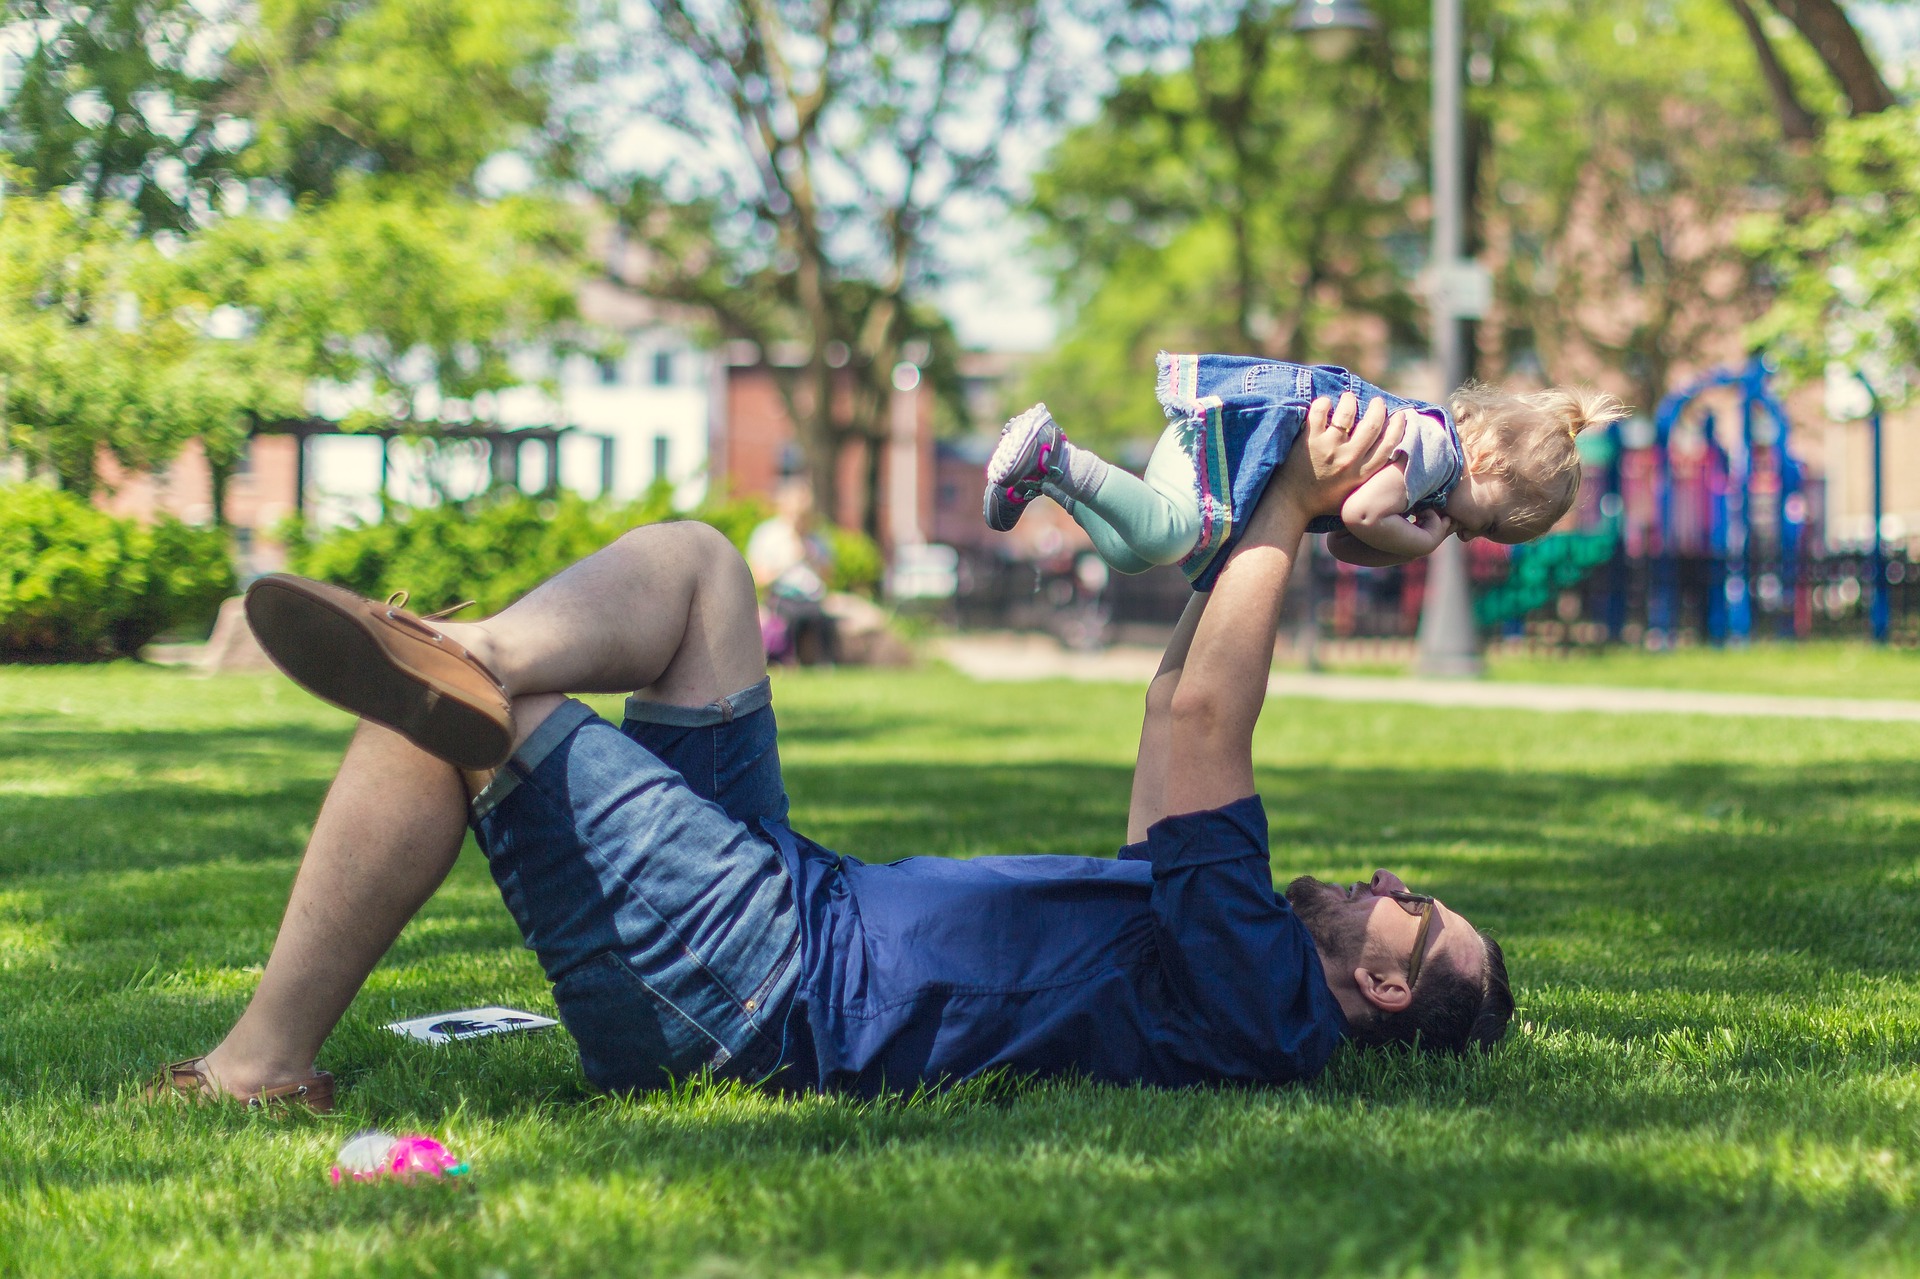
(633, 862)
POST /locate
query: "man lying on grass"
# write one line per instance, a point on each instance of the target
(686, 927)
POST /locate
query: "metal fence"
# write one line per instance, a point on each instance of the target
(1656, 601)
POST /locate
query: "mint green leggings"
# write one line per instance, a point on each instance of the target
(1137, 523)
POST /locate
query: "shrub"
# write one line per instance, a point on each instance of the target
(857, 564)
(493, 549)
(77, 584)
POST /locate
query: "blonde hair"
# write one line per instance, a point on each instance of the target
(1528, 443)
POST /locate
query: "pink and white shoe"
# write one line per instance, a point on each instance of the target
(1032, 451)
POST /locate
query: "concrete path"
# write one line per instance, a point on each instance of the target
(1030, 657)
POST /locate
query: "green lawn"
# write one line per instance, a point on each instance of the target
(1794, 670)
(1712, 924)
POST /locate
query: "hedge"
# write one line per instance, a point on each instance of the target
(76, 584)
(495, 549)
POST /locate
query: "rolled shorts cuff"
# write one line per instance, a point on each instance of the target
(540, 743)
(724, 711)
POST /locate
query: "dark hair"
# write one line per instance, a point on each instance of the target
(1450, 1011)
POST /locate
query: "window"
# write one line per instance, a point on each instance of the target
(663, 368)
(662, 446)
(608, 369)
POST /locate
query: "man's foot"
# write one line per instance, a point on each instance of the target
(384, 664)
(190, 1080)
(1032, 451)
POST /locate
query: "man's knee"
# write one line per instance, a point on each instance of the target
(688, 543)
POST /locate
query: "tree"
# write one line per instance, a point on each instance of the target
(1832, 37)
(821, 146)
(120, 100)
(1831, 33)
(424, 92)
(410, 306)
(1628, 147)
(376, 116)
(1850, 271)
(1244, 201)
(166, 104)
(97, 350)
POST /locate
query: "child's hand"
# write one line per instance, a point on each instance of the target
(1434, 522)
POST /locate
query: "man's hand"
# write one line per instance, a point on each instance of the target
(1334, 454)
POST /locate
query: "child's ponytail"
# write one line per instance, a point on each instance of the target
(1587, 409)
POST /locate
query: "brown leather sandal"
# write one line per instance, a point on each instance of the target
(189, 1081)
(385, 664)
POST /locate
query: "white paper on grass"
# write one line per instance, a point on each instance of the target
(469, 1023)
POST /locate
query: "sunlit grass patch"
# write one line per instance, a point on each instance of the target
(1712, 926)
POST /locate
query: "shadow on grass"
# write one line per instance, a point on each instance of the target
(1066, 1179)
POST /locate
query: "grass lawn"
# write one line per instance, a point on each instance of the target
(1790, 670)
(1712, 925)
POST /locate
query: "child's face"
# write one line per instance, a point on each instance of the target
(1480, 506)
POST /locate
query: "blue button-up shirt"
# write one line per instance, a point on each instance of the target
(1175, 964)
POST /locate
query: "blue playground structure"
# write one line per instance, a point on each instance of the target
(1683, 504)
(1737, 509)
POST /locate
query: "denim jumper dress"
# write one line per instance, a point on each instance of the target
(1240, 415)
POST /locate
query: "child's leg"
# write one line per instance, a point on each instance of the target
(1156, 518)
(1106, 539)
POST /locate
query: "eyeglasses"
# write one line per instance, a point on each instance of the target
(1420, 906)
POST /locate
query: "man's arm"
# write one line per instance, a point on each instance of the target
(1156, 729)
(1223, 682)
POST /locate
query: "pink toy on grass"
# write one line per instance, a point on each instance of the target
(372, 1155)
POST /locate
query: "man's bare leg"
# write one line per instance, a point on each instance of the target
(668, 609)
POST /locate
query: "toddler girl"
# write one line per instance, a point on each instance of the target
(1493, 465)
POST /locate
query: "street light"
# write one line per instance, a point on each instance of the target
(1449, 642)
(1333, 27)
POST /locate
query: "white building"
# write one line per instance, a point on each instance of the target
(634, 412)
(648, 394)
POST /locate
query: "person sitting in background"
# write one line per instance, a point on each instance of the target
(791, 563)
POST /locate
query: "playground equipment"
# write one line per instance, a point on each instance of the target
(1683, 498)
(1734, 508)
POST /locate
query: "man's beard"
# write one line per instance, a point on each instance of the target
(1338, 936)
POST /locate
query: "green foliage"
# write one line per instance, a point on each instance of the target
(1251, 199)
(78, 584)
(119, 102)
(100, 348)
(162, 104)
(425, 92)
(1849, 273)
(421, 298)
(1238, 202)
(1626, 140)
(492, 550)
(857, 563)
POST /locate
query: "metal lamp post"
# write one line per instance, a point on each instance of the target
(1880, 609)
(1449, 640)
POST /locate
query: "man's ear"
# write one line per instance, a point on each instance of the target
(1388, 992)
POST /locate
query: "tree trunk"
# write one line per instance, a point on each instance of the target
(218, 475)
(870, 516)
(1797, 123)
(1826, 26)
(820, 445)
